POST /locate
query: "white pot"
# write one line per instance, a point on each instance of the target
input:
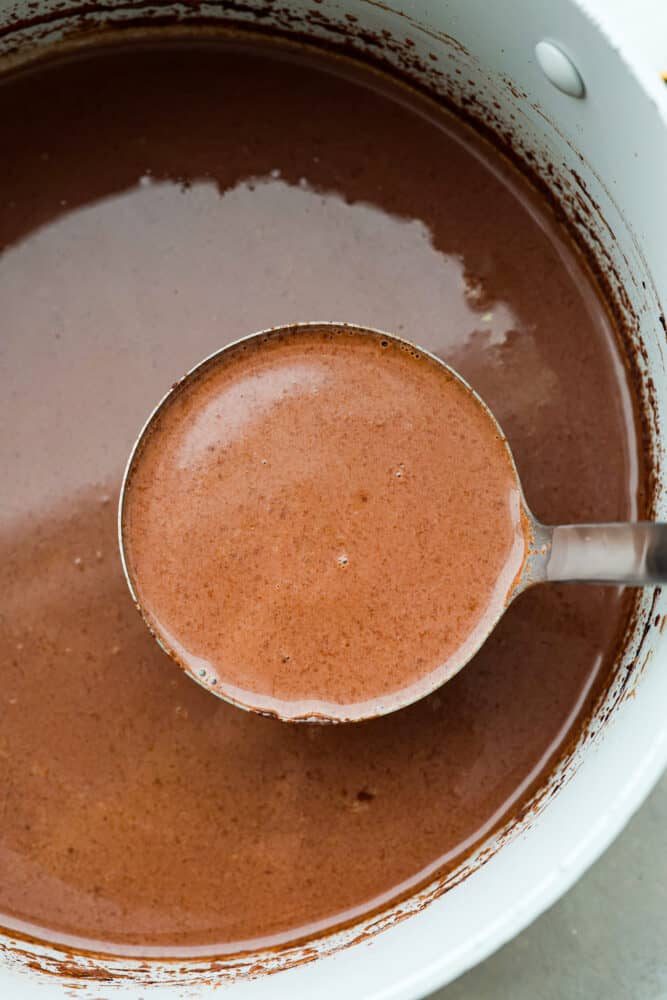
(616, 140)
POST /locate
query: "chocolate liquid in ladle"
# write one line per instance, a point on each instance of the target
(157, 203)
(322, 523)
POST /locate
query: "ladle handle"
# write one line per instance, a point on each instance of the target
(634, 554)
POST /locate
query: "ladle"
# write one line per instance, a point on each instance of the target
(633, 554)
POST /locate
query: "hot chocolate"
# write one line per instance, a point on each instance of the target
(155, 202)
(323, 524)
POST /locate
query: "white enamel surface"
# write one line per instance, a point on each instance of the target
(559, 69)
(620, 130)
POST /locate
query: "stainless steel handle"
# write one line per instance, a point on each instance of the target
(632, 554)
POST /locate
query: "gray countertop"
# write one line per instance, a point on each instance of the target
(606, 938)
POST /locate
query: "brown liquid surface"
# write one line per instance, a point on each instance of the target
(323, 524)
(154, 206)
